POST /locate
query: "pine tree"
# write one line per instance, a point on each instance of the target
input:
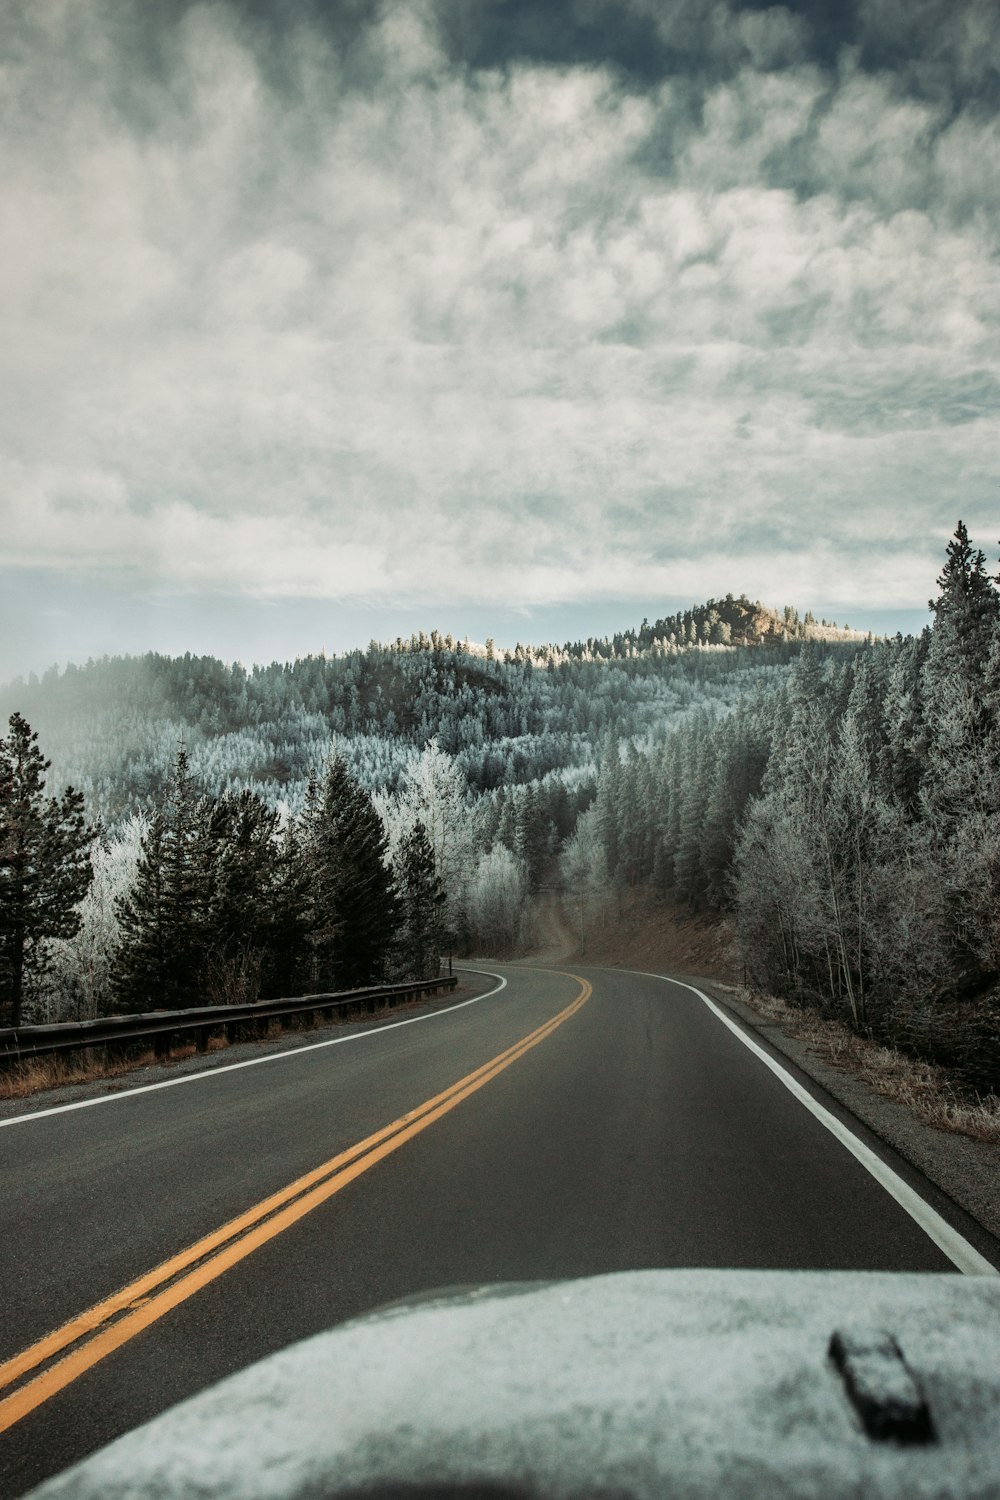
(422, 900)
(961, 730)
(506, 829)
(699, 770)
(632, 813)
(905, 754)
(607, 802)
(140, 975)
(532, 843)
(739, 768)
(668, 812)
(968, 607)
(354, 906)
(289, 956)
(164, 919)
(243, 863)
(319, 849)
(45, 866)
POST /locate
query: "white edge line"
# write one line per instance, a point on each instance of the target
(954, 1245)
(253, 1062)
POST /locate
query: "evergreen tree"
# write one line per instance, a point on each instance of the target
(353, 902)
(668, 816)
(241, 833)
(45, 866)
(288, 966)
(905, 753)
(961, 730)
(689, 868)
(561, 813)
(506, 829)
(319, 847)
(739, 768)
(968, 607)
(142, 966)
(608, 801)
(242, 861)
(532, 843)
(422, 899)
(165, 917)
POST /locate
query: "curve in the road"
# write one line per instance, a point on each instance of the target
(150, 1297)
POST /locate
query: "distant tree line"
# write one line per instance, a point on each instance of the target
(111, 727)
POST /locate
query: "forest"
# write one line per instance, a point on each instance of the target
(111, 728)
(836, 797)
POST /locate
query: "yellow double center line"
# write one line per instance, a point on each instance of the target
(111, 1323)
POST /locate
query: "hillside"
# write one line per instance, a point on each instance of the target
(508, 718)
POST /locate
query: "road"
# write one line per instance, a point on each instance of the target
(632, 1129)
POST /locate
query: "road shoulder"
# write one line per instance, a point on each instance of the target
(967, 1171)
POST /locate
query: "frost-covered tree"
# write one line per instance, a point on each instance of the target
(497, 903)
(436, 793)
(583, 872)
(967, 609)
(961, 755)
(903, 710)
(867, 873)
(608, 800)
(80, 980)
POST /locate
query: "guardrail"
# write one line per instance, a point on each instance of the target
(118, 1033)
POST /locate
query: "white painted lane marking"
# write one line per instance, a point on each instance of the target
(954, 1245)
(253, 1062)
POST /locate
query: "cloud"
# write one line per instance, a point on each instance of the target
(419, 302)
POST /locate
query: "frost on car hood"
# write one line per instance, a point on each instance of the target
(650, 1383)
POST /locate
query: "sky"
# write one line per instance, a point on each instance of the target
(524, 318)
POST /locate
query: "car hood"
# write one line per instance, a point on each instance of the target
(651, 1383)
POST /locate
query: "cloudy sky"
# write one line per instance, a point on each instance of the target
(516, 317)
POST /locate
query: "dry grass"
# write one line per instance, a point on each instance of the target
(36, 1074)
(39, 1073)
(932, 1093)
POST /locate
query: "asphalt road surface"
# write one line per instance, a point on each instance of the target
(630, 1129)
